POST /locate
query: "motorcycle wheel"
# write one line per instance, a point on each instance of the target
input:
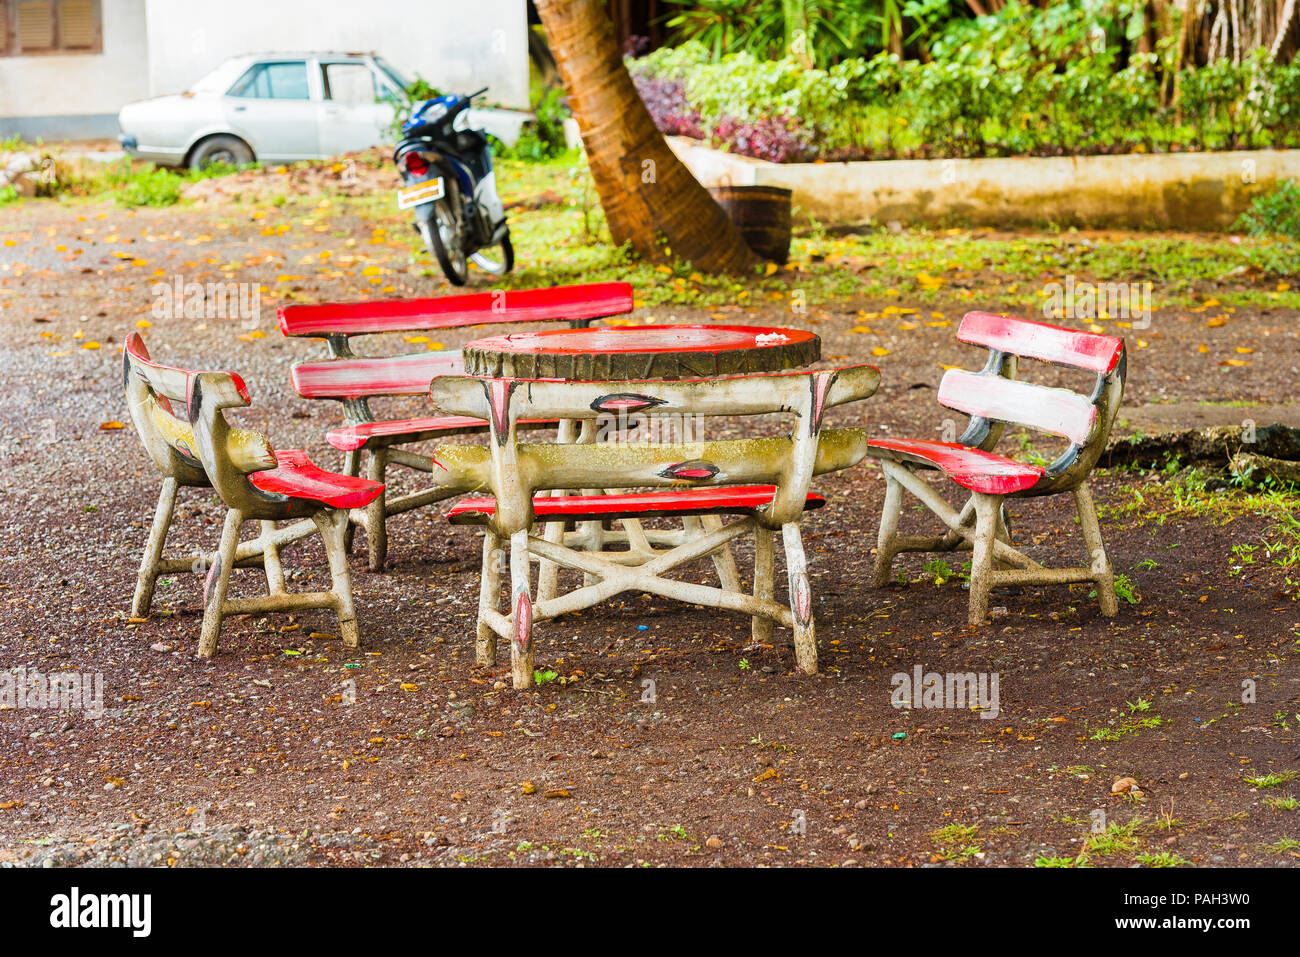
(443, 238)
(499, 264)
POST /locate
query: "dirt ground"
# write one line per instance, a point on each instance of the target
(254, 756)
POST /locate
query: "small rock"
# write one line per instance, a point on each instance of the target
(1123, 784)
(713, 842)
(160, 647)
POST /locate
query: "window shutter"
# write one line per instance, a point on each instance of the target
(77, 25)
(35, 26)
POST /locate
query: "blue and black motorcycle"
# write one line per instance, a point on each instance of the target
(449, 182)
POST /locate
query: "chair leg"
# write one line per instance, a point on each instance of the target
(796, 565)
(333, 524)
(214, 592)
(374, 520)
(271, 560)
(1102, 569)
(521, 612)
(548, 573)
(981, 572)
(148, 576)
(351, 466)
(764, 564)
(888, 530)
(489, 596)
(724, 563)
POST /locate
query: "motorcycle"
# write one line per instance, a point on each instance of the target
(449, 182)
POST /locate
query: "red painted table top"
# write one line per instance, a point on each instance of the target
(670, 351)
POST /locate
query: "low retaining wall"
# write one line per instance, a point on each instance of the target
(1142, 190)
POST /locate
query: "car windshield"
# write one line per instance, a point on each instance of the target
(393, 74)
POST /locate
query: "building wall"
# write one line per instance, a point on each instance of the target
(78, 95)
(438, 40)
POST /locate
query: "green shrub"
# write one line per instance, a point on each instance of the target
(976, 99)
(150, 187)
(1276, 213)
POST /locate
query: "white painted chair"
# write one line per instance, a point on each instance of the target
(993, 398)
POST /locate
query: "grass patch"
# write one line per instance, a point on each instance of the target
(1132, 723)
(955, 842)
(1162, 859)
(1288, 803)
(1116, 839)
(1274, 779)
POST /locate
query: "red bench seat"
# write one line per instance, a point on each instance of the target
(734, 500)
(970, 468)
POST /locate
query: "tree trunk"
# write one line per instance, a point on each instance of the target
(650, 199)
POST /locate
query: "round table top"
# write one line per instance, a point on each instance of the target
(642, 352)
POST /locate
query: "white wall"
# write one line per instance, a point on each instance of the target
(458, 45)
(82, 84)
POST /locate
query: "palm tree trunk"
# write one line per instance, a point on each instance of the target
(650, 198)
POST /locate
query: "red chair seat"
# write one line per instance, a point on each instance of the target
(970, 468)
(296, 477)
(733, 500)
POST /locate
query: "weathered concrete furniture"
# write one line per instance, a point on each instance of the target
(252, 480)
(762, 481)
(993, 398)
(355, 380)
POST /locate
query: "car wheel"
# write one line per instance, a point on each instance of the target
(229, 150)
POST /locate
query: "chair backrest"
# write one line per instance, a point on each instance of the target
(993, 397)
(513, 471)
(178, 414)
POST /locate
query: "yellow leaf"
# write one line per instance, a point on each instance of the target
(92, 344)
(415, 338)
(143, 324)
(1244, 350)
(109, 426)
(410, 687)
(435, 346)
(879, 351)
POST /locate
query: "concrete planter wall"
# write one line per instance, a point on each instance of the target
(1168, 190)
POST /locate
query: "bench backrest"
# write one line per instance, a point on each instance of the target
(179, 416)
(993, 397)
(514, 471)
(354, 380)
(580, 303)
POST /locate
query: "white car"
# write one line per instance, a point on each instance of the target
(278, 108)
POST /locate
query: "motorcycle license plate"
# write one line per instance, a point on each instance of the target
(420, 193)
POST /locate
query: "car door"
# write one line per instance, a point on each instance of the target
(274, 105)
(356, 109)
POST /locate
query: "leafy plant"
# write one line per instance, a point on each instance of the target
(151, 187)
(1276, 213)
(1274, 779)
